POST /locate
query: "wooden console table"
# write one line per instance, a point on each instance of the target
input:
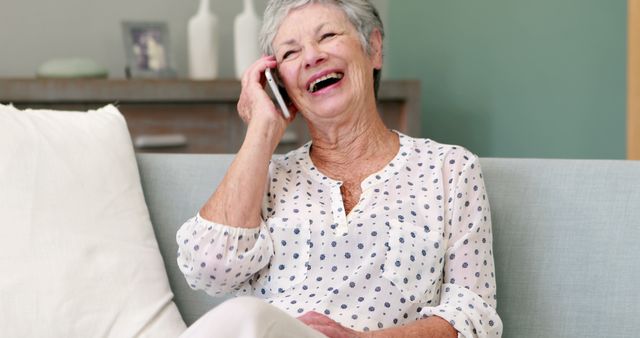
(197, 116)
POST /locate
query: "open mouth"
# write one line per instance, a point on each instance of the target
(325, 82)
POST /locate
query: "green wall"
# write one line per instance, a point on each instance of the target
(516, 78)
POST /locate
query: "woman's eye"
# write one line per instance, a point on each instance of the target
(286, 54)
(327, 35)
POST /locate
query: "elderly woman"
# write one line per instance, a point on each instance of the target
(362, 232)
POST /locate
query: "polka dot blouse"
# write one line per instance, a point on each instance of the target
(418, 243)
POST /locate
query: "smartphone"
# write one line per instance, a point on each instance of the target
(276, 92)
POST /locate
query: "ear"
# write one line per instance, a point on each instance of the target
(375, 43)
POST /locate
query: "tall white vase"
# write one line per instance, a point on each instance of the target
(246, 28)
(203, 41)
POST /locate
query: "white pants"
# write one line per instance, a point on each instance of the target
(248, 317)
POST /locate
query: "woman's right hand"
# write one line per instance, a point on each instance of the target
(244, 184)
(255, 107)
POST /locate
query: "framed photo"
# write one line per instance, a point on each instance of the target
(147, 49)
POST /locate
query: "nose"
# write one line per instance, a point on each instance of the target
(313, 55)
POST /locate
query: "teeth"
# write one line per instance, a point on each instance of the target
(312, 86)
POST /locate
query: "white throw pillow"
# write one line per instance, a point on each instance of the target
(78, 256)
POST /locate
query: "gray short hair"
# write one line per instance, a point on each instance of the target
(361, 13)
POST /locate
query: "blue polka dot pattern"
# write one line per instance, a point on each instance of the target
(418, 243)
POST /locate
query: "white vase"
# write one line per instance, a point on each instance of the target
(203, 41)
(246, 29)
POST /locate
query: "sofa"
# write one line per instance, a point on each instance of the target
(566, 239)
(88, 227)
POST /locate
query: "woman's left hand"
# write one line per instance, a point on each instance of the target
(328, 326)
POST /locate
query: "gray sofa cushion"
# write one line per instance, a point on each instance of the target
(566, 246)
(175, 187)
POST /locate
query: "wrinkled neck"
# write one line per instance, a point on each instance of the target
(361, 142)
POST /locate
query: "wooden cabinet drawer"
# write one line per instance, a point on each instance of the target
(205, 128)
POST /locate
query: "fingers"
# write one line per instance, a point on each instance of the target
(335, 331)
(313, 317)
(326, 325)
(325, 330)
(253, 96)
(254, 74)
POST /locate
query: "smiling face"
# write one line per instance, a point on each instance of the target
(322, 62)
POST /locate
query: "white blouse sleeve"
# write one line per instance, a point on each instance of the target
(468, 294)
(221, 259)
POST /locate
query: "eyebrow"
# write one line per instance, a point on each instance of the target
(293, 41)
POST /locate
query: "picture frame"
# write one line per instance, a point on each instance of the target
(147, 49)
